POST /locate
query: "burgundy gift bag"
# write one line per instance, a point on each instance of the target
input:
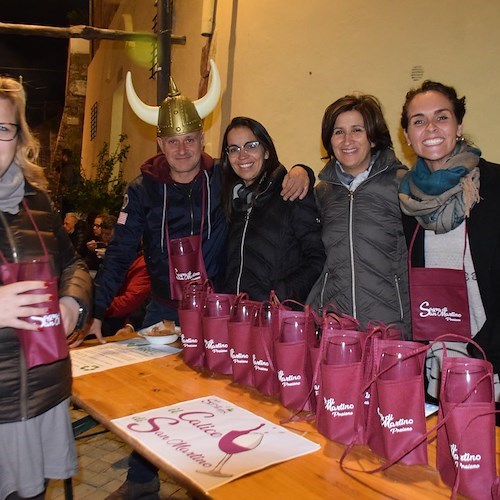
(48, 343)
(185, 257)
(466, 450)
(396, 414)
(239, 334)
(332, 320)
(340, 412)
(185, 263)
(439, 301)
(190, 320)
(216, 312)
(262, 338)
(297, 334)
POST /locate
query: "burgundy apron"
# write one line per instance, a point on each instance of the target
(48, 343)
(185, 257)
(439, 302)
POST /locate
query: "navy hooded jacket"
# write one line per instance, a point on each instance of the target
(149, 199)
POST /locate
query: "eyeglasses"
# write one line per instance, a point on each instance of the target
(249, 147)
(8, 131)
(96, 225)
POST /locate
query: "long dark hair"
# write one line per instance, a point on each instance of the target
(229, 177)
(370, 109)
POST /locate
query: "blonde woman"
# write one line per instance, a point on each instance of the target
(36, 439)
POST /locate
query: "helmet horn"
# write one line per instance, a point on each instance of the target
(206, 104)
(150, 114)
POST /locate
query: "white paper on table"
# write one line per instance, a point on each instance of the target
(212, 441)
(114, 354)
(430, 409)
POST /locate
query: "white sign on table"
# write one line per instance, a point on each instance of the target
(212, 441)
(114, 354)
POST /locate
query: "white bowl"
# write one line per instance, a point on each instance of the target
(159, 339)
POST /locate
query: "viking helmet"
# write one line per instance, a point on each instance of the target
(177, 114)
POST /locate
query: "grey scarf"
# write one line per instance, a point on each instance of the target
(11, 189)
(445, 211)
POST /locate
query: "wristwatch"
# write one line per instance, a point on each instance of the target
(82, 314)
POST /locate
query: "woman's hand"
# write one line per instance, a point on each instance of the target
(16, 304)
(92, 245)
(295, 184)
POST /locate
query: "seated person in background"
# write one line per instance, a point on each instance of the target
(77, 231)
(94, 258)
(128, 307)
(96, 232)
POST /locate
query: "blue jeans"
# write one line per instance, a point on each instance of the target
(141, 470)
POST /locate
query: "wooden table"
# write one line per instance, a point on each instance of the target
(164, 381)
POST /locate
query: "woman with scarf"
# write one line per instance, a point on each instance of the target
(36, 437)
(273, 244)
(451, 198)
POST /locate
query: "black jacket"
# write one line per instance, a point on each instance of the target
(483, 229)
(27, 393)
(275, 245)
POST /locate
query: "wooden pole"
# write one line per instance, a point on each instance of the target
(164, 28)
(88, 32)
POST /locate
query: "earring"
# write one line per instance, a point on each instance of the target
(460, 138)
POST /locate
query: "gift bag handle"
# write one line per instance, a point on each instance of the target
(459, 338)
(340, 316)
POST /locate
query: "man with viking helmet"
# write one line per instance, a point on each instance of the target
(174, 204)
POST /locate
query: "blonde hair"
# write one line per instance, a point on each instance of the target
(27, 146)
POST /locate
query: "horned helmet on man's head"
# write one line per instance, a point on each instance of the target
(177, 114)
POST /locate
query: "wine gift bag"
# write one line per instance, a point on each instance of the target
(396, 411)
(296, 335)
(190, 320)
(339, 411)
(262, 338)
(239, 334)
(466, 450)
(48, 343)
(216, 313)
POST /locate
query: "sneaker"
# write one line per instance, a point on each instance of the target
(135, 491)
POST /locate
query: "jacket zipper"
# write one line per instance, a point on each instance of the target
(24, 386)
(322, 295)
(242, 248)
(351, 256)
(398, 292)
(191, 211)
(351, 246)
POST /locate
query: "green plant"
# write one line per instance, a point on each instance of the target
(104, 193)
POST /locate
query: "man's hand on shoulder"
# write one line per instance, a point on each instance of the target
(295, 184)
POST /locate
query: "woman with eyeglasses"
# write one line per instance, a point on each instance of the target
(272, 244)
(36, 438)
(365, 274)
